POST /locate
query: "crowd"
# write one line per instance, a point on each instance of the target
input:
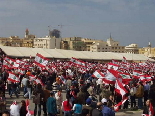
(86, 95)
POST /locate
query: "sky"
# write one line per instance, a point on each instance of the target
(128, 21)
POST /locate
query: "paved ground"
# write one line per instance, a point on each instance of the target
(120, 113)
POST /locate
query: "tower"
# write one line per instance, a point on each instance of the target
(149, 47)
(26, 33)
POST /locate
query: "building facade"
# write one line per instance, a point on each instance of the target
(132, 48)
(73, 43)
(148, 51)
(47, 42)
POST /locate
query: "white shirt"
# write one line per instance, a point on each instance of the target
(24, 80)
(14, 110)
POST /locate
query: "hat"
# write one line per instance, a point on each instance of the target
(104, 100)
(88, 101)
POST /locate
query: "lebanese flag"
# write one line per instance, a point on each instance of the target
(32, 77)
(29, 113)
(136, 74)
(125, 77)
(124, 60)
(63, 80)
(113, 66)
(142, 78)
(119, 88)
(151, 110)
(114, 61)
(39, 81)
(148, 77)
(77, 62)
(110, 77)
(20, 61)
(116, 107)
(12, 77)
(9, 60)
(98, 74)
(40, 60)
(21, 71)
(6, 64)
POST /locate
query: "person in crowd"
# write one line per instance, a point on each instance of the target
(51, 105)
(105, 92)
(23, 110)
(6, 113)
(133, 90)
(82, 96)
(2, 87)
(9, 86)
(98, 110)
(68, 83)
(38, 99)
(13, 89)
(152, 93)
(111, 102)
(46, 96)
(59, 99)
(139, 94)
(146, 107)
(29, 87)
(14, 109)
(106, 111)
(146, 91)
(67, 107)
(77, 108)
(2, 103)
(91, 90)
(23, 84)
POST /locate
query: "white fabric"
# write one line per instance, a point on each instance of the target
(104, 100)
(14, 110)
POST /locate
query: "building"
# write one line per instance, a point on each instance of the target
(115, 47)
(86, 44)
(148, 51)
(89, 42)
(47, 42)
(73, 43)
(28, 40)
(100, 46)
(132, 48)
(13, 41)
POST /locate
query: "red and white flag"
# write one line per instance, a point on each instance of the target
(29, 113)
(151, 110)
(41, 60)
(98, 74)
(21, 71)
(124, 60)
(32, 77)
(62, 79)
(13, 78)
(119, 88)
(78, 62)
(125, 77)
(113, 66)
(110, 77)
(39, 81)
(116, 107)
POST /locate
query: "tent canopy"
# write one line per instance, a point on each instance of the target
(66, 54)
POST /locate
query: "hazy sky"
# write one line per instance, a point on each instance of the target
(129, 21)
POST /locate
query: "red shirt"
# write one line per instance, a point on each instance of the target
(66, 107)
